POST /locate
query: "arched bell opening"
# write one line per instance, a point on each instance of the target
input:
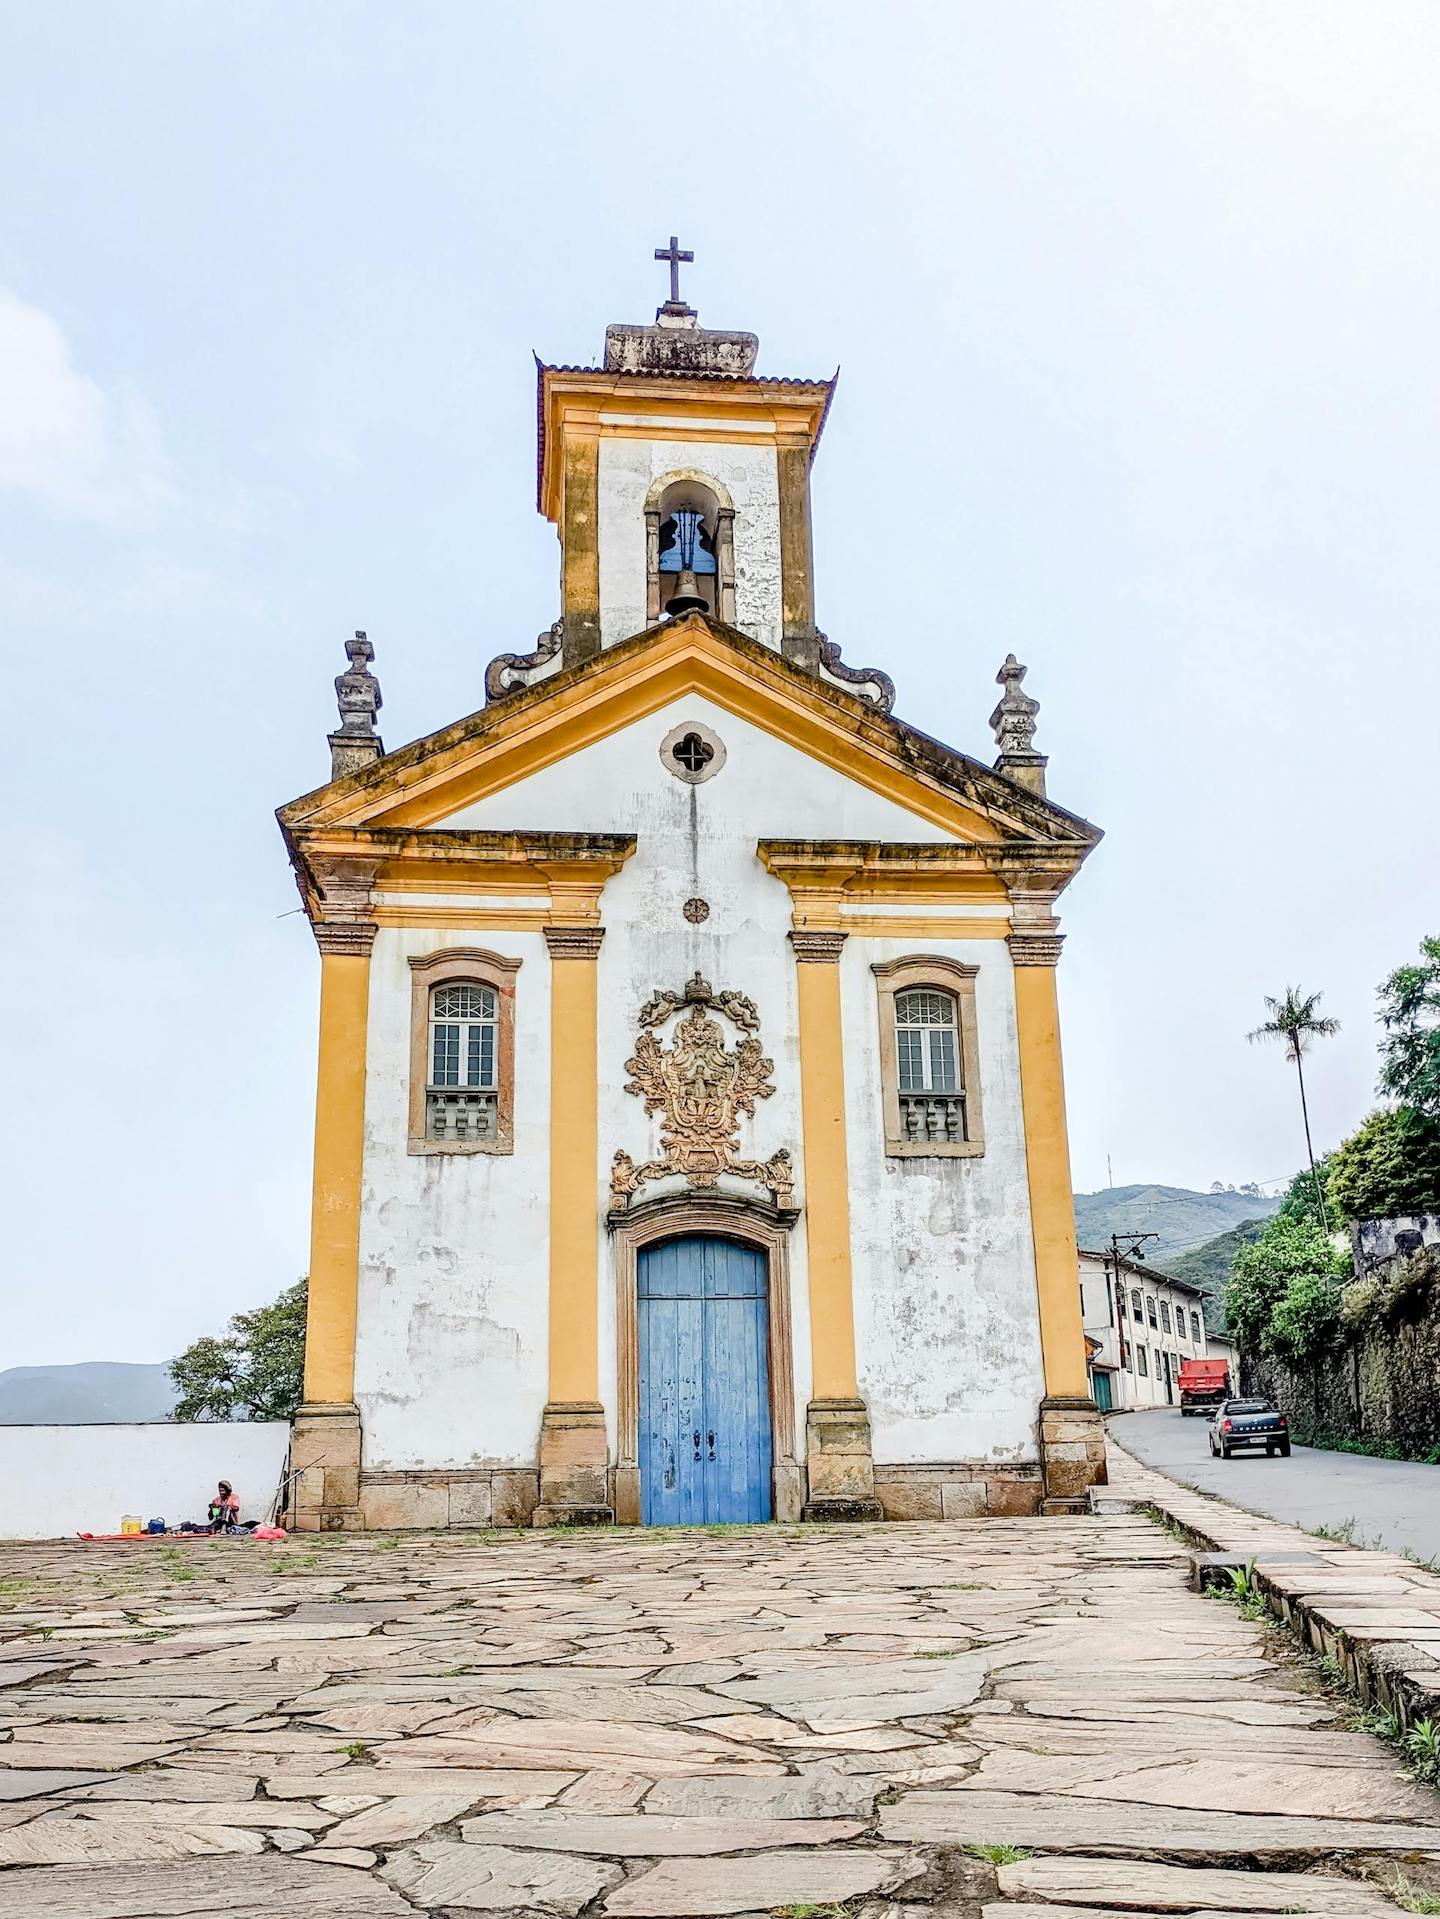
(690, 548)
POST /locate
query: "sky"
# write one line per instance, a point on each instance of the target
(1136, 309)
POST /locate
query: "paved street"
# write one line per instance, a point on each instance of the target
(1394, 1503)
(666, 1723)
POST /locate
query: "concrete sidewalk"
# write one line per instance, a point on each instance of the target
(655, 1724)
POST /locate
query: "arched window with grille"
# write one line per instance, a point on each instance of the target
(462, 1089)
(929, 1064)
(462, 1095)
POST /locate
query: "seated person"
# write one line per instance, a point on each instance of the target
(224, 1514)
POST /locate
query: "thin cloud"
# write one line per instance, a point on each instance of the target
(74, 449)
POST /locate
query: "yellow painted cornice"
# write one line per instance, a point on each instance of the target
(838, 884)
(422, 784)
(593, 403)
(552, 878)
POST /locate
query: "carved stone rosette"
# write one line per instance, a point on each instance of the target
(702, 1087)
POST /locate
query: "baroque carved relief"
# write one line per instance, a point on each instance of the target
(702, 1087)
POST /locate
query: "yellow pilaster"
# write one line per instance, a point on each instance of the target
(574, 1453)
(580, 546)
(827, 1179)
(1047, 1155)
(574, 1160)
(339, 1149)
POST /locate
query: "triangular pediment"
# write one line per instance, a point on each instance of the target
(421, 786)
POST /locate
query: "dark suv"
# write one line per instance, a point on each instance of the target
(1249, 1422)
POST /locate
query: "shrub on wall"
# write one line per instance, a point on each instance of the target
(1304, 1318)
(1389, 1168)
(1283, 1295)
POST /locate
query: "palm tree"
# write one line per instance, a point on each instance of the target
(1295, 1021)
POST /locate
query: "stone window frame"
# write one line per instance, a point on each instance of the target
(1197, 1337)
(942, 974)
(453, 966)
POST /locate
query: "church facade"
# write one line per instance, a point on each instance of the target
(690, 1132)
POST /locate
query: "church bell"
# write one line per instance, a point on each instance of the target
(687, 597)
(687, 551)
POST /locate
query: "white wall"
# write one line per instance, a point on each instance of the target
(628, 469)
(451, 1347)
(946, 1327)
(693, 841)
(56, 1481)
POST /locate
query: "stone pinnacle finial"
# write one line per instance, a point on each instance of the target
(357, 694)
(1013, 722)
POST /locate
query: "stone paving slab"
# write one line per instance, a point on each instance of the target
(199, 1888)
(660, 1724)
(1091, 1882)
(1057, 1823)
(678, 1888)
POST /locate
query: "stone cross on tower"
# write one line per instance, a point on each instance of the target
(675, 257)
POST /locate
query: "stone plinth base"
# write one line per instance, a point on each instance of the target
(839, 1468)
(325, 1464)
(1072, 1453)
(961, 1489)
(461, 1498)
(574, 1466)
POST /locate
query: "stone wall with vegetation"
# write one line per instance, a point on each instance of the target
(1374, 1382)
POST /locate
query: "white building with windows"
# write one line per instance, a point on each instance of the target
(1140, 1325)
(690, 1133)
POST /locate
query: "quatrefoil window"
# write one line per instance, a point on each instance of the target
(692, 753)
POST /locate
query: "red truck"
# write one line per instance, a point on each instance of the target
(1203, 1383)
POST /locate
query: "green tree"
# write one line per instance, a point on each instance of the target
(1391, 1166)
(1295, 1021)
(1410, 1014)
(253, 1371)
(1275, 1292)
(1300, 1200)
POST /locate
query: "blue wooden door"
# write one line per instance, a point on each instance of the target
(704, 1383)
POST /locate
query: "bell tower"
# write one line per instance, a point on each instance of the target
(678, 481)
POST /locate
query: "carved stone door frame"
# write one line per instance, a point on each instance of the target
(725, 1216)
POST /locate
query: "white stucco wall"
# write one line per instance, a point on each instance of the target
(628, 469)
(56, 1481)
(693, 841)
(946, 1331)
(451, 1348)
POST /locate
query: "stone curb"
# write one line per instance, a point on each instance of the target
(1376, 1614)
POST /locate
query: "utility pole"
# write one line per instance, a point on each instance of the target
(1133, 1243)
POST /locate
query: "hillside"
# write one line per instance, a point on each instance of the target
(98, 1393)
(1183, 1220)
